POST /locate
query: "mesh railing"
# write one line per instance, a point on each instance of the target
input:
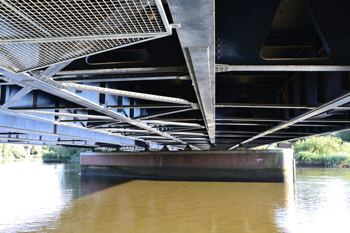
(38, 33)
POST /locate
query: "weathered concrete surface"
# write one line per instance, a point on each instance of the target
(239, 165)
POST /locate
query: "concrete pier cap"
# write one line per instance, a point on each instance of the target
(273, 165)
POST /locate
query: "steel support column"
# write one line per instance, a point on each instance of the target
(197, 42)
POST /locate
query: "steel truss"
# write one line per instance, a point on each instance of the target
(206, 85)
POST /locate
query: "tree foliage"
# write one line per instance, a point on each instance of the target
(344, 135)
(8, 151)
(13, 151)
(322, 145)
(70, 154)
(323, 150)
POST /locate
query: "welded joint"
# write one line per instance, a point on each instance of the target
(194, 106)
(50, 81)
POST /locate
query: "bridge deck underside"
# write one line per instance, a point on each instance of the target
(230, 74)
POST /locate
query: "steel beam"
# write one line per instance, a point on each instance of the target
(30, 124)
(238, 119)
(90, 80)
(53, 88)
(248, 136)
(67, 114)
(129, 131)
(197, 42)
(252, 132)
(88, 120)
(5, 84)
(47, 108)
(156, 122)
(291, 68)
(276, 106)
(13, 134)
(47, 141)
(245, 124)
(315, 125)
(41, 144)
(145, 106)
(187, 134)
(312, 113)
(101, 125)
(164, 113)
(143, 70)
(180, 119)
(16, 122)
(262, 124)
(128, 94)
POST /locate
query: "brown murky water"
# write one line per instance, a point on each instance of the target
(54, 198)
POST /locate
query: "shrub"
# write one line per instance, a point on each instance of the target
(68, 154)
(336, 160)
(47, 156)
(322, 145)
(307, 158)
(325, 150)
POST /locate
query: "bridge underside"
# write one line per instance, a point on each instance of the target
(199, 73)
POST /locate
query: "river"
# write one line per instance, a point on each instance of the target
(36, 197)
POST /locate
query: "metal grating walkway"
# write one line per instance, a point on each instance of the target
(36, 33)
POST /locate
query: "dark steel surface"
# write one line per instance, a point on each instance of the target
(282, 72)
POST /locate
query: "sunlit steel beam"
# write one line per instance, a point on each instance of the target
(46, 84)
(92, 79)
(291, 68)
(319, 110)
(198, 45)
(130, 94)
(67, 114)
(144, 70)
(164, 113)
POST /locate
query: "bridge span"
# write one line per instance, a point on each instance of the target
(138, 74)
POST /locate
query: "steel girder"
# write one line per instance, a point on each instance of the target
(255, 99)
(45, 83)
(197, 42)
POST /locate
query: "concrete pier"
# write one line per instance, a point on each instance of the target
(239, 165)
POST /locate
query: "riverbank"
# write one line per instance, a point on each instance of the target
(320, 165)
(307, 159)
(322, 151)
(2, 160)
(59, 161)
(53, 157)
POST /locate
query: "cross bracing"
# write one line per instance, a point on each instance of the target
(218, 74)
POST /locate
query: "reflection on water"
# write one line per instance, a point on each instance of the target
(54, 198)
(32, 195)
(322, 201)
